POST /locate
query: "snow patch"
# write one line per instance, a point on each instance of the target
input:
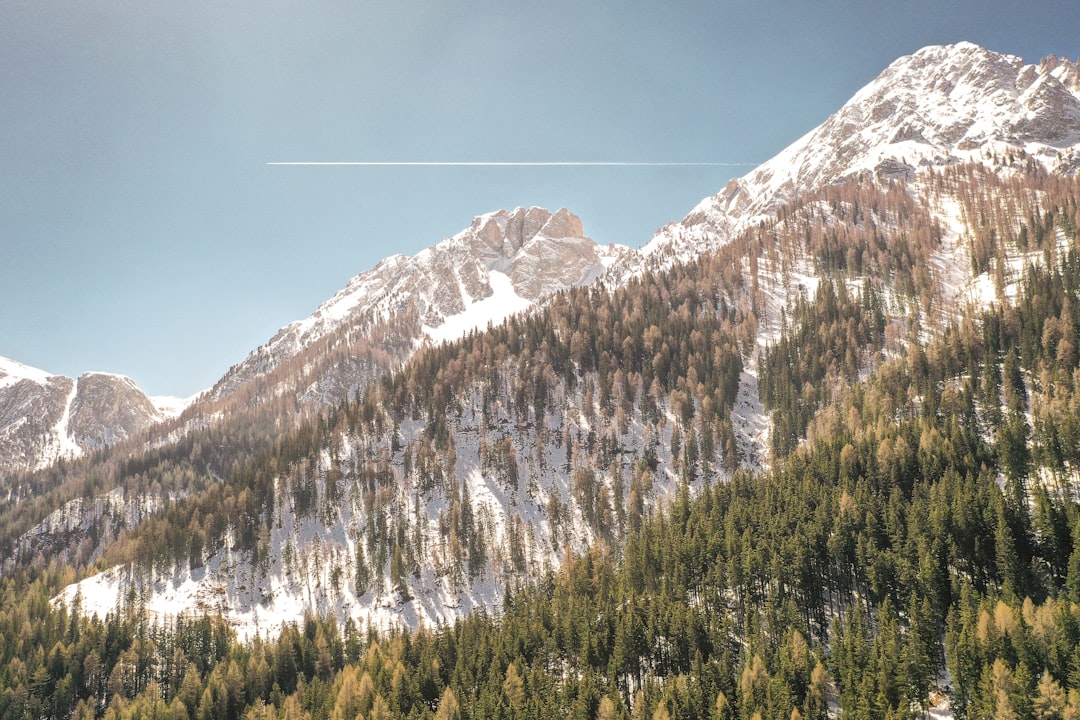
(496, 307)
(169, 406)
(752, 425)
(66, 446)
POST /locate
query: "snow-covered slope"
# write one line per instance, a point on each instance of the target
(378, 529)
(940, 106)
(45, 417)
(503, 263)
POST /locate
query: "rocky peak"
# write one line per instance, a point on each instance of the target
(45, 417)
(540, 252)
(939, 105)
(1064, 71)
(107, 408)
(506, 232)
(563, 224)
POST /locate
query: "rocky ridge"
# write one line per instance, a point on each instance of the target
(505, 262)
(510, 259)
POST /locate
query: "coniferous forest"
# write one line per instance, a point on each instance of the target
(916, 536)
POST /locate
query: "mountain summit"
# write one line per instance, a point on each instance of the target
(943, 105)
(503, 263)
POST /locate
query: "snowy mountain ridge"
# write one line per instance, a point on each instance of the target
(505, 262)
(445, 290)
(940, 106)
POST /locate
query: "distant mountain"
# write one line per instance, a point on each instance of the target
(45, 418)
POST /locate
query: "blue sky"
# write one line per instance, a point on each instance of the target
(142, 232)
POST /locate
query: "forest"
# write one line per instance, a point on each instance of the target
(915, 538)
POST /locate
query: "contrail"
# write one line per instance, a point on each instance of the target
(518, 164)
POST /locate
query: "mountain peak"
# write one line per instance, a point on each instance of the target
(523, 224)
(498, 236)
(962, 97)
(503, 262)
(964, 50)
(941, 105)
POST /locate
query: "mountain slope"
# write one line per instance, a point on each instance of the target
(459, 475)
(505, 262)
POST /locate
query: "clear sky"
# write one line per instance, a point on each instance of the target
(142, 232)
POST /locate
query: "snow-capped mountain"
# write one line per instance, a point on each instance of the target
(503, 263)
(940, 106)
(882, 175)
(45, 417)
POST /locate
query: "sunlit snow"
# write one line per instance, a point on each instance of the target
(496, 307)
(12, 372)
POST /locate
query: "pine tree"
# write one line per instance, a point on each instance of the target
(448, 709)
(1072, 579)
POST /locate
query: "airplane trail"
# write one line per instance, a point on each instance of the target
(576, 163)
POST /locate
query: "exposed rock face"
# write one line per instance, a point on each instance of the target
(546, 266)
(44, 417)
(539, 251)
(108, 408)
(30, 410)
